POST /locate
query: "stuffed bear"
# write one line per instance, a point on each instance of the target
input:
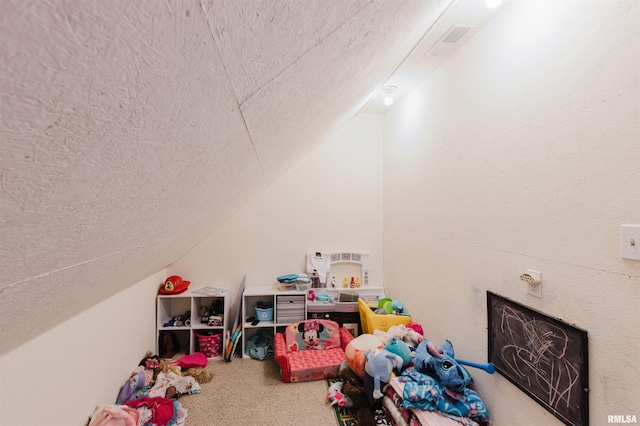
(353, 387)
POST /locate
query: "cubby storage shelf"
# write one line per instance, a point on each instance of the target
(288, 307)
(170, 306)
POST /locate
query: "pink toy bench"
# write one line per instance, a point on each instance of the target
(311, 350)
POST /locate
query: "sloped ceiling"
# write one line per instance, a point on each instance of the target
(131, 129)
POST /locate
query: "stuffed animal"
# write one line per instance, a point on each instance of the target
(378, 368)
(336, 396)
(400, 332)
(353, 387)
(401, 349)
(416, 327)
(445, 368)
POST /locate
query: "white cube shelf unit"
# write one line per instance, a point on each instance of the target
(288, 307)
(170, 306)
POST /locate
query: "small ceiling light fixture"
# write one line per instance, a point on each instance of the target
(388, 90)
(493, 3)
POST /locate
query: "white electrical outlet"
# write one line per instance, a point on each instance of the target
(533, 279)
(535, 290)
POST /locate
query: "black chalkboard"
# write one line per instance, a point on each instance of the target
(544, 356)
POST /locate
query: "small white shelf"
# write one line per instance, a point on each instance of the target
(293, 308)
(170, 306)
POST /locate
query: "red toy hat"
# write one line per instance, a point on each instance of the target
(174, 285)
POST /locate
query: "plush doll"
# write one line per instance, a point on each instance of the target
(416, 327)
(400, 332)
(353, 388)
(379, 365)
(445, 368)
(439, 383)
(336, 396)
(401, 349)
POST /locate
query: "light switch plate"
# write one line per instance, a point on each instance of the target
(630, 242)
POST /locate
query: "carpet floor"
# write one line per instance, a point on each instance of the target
(250, 392)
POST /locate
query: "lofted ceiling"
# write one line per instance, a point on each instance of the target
(131, 129)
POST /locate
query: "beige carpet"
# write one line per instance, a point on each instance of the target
(249, 392)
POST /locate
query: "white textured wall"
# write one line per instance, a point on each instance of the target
(59, 377)
(523, 151)
(329, 201)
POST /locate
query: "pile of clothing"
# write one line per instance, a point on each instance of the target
(150, 395)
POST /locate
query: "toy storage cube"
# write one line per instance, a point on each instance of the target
(264, 314)
(209, 344)
(372, 321)
(290, 308)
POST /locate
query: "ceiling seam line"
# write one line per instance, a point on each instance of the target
(318, 43)
(235, 94)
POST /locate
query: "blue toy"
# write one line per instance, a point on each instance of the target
(401, 349)
(378, 367)
(446, 369)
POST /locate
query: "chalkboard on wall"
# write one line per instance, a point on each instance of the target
(543, 356)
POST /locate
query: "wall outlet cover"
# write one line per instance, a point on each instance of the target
(535, 290)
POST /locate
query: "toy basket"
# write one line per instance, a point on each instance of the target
(210, 345)
(371, 321)
(265, 313)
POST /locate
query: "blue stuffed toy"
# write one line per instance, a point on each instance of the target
(379, 365)
(401, 349)
(446, 369)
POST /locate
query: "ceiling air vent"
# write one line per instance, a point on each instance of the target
(451, 39)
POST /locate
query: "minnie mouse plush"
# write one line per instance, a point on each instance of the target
(311, 334)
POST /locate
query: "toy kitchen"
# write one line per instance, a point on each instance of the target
(338, 279)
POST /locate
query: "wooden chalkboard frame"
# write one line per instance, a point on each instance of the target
(543, 356)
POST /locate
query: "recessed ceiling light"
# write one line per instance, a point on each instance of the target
(388, 90)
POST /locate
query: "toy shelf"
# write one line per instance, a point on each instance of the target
(171, 306)
(288, 307)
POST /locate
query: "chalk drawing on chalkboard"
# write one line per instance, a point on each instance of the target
(544, 356)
